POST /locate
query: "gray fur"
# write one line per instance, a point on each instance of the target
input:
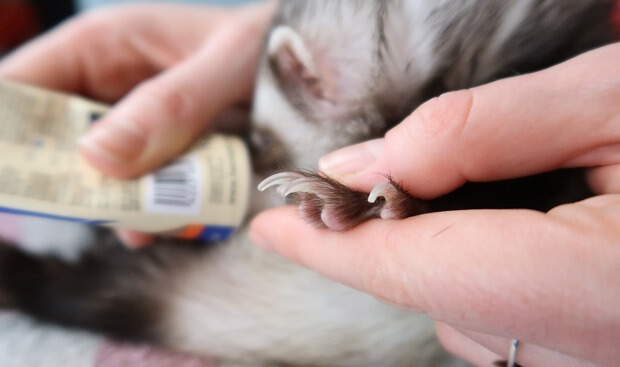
(377, 61)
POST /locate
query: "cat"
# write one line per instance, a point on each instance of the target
(333, 73)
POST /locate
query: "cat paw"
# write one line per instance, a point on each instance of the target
(326, 202)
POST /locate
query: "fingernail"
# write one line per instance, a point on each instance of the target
(352, 159)
(116, 141)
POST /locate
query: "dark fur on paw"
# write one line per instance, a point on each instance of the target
(503, 364)
(7, 252)
(326, 202)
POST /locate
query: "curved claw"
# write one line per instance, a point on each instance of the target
(278, 179)
(300, 185)
(381, 190)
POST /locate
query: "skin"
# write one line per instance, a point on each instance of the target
(487, 276)
(170, 70)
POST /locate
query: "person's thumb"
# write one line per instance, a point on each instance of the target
(162, 116)
(564, 116)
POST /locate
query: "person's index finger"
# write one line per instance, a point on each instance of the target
(429, 251)
(103, 54)
(474, 269)
(560, 117)
(76, 58)
(47, 61)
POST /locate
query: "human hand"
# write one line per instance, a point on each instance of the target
(175, 67)
(551, 279)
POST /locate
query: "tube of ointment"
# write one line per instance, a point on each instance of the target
(203, 195)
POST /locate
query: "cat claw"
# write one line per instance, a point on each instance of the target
(381, 190)
(279, 179)
(289, 183)
(391, 195)
(307, 185)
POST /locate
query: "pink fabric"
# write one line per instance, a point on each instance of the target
(10, 227)
(114, 355)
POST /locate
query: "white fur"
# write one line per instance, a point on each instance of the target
(411, 43)
(243, 303)
(283, 36)
(27, 343)
(43, 236)
(513, 18)
(271, 109)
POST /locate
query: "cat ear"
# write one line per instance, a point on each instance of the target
(296, 67)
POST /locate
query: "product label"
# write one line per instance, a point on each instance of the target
(42, 173)
(176, 188)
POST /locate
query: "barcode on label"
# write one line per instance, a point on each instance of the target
(175, 188)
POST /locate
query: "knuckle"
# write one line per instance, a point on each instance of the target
(448, 120)
(447, 114)
(440, 127)
(170, 102)
(444, 117)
